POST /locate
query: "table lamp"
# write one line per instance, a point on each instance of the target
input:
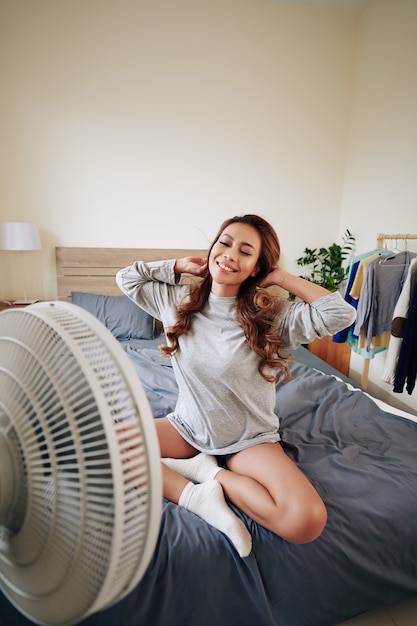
(20, 236)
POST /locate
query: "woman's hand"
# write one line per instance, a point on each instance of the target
(194, 265)
(273, 278)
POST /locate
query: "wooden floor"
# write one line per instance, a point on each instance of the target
(404, 614)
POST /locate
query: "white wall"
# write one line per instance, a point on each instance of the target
(147, 122)
(380, 193)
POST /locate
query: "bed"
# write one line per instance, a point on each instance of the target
(359, 454)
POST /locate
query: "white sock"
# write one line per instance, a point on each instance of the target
(199, 468)
(208, 502)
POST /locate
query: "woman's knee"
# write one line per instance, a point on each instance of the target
(307, 524)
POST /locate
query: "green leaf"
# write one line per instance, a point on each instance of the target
(325, 265)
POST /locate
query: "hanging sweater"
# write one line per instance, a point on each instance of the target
(406, 370)
(384, 279)
(224, 404)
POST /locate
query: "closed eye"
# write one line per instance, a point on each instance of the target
(228, 244)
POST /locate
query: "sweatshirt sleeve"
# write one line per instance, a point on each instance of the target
(302, 322)
(152, 286)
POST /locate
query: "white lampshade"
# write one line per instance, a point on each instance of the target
(19, 236)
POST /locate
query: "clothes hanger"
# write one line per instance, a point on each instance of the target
(385, 260)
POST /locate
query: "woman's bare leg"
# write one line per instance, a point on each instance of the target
(266, 484)
(171, 444)
(263, 482)
(205, 500)
(170, 441)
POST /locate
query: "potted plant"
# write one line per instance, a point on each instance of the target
(326, 265)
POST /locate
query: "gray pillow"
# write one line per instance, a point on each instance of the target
(119, 314)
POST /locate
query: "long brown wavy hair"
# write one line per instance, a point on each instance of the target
(256, 307)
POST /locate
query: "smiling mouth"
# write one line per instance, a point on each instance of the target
(226, 268)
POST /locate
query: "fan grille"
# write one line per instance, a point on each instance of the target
(86, 520)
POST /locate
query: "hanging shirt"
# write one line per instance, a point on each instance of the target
(352, 294)
(342, 335)
(382, 286)
(407, 360)
(398, 322)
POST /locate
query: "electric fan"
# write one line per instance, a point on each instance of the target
(80, 476)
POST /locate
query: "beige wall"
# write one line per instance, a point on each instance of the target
(380, 193)
(147, 122)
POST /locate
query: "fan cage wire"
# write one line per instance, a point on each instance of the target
(132, 495)
(37, 466)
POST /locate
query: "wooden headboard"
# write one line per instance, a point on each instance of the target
(93, 270)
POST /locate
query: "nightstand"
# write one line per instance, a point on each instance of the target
(335, 354)
(5, 306)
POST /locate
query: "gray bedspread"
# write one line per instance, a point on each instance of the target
(362, 460)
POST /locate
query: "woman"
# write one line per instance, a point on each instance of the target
(228, 337)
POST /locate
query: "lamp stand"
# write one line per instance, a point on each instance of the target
(25, 299)
(19, 237)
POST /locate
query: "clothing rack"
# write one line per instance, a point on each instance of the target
(381, 240)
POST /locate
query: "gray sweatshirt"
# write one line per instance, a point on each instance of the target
(224, 404)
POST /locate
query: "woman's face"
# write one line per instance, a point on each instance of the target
(233, 258)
